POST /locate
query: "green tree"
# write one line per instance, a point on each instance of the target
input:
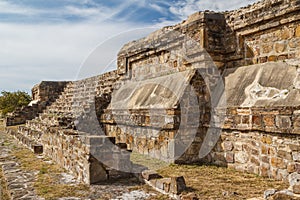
(9, 101)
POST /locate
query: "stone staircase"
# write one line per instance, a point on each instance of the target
(69, 132)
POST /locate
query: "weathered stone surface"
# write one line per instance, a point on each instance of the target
(189, 196)
(269, 193)
(150, 174)
(148, 105)
(296, 189)
(241, 157)
(257, 89)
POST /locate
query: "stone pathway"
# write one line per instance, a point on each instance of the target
(20, 182)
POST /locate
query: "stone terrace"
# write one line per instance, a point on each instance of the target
(224, 86)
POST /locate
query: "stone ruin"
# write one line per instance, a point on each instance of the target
(219, 88)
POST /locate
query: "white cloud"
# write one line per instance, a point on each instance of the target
(10, 8)
(31, 53)
(185, 8)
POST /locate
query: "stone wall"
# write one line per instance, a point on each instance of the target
(68, 131)
(167, 98)
(43, 95)
(262, 100)
(264, 32)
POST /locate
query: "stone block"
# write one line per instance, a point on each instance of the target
(294, 179)
(241, 157)
(296, 189)
(229, 157)
(150, 174)
(227, 146)
(266, 139)
(255, 161)
(284, 154)
(269, 193)
(285, 34)
(264, 170)
(291, 167)
(177, 185)
(267, 48)
(283, 122)
(297, 31)
(272, 58)
(278, 163)
(296, 156)
(269, 120)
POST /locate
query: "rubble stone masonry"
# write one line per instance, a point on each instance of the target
(164, 99)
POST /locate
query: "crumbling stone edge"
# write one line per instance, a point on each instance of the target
(171, 186)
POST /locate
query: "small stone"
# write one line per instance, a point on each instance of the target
(272, 58)
(267, 48)
(189, 196)
(294, 179)
(241, 157)
(227, 146)
(150, 174)
(296, 156)
(177, 185)
(280, 47)
(291, 167)
(269, 193)
(229, 156)
(297, 31)
(277, 162)
(285, 34)
(284, 195)
(296, 189)
(284, 154)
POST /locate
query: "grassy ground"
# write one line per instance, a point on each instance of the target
(212, 182)
(4, 194)
(47, 183)
(147, 161)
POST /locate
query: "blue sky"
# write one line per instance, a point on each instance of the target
(56, 39)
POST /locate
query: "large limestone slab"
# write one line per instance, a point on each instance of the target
(159, 93)
(264, 85)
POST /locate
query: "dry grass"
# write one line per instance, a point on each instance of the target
(211, 182)
(4, 194)
(2, 128)
(47, 184)
(147, 161)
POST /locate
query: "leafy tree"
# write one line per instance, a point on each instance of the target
(9, 101)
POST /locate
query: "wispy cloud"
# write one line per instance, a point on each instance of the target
(184, 8)
(10, 8)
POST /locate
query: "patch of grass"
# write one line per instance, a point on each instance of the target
(4, 194)
(47, 184)
(147, 161)
(48, 187)
(211, 182)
